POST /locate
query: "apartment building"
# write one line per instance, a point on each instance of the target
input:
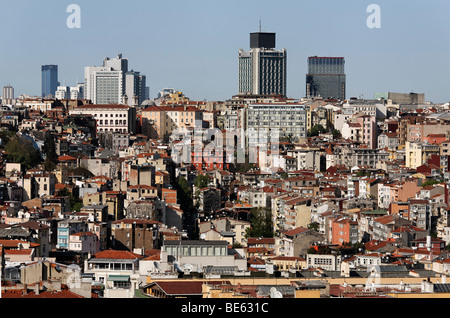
(162, 121)
(110, 117)
(344, 230)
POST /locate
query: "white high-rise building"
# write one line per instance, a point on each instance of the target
(285, 119)
(77, 92)
(8, 94)
(105, 84)
(262, 70)
(62, 92)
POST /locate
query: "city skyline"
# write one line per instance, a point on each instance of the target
(198, 53)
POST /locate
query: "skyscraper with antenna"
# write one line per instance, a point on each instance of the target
(262, 69)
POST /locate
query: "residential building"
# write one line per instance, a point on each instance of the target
(344, 231)
(110, 117)
(283, 119)
(130, 234)
(326, 262)
(84, 243)
(163, 121)
(116, 271)
(196, 256)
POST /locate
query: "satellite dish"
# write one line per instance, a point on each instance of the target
(203, 236)
(188, 267)
(274, 293)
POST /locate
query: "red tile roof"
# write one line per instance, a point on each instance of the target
(114, 254)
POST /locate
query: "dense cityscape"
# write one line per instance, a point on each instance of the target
(108, 193)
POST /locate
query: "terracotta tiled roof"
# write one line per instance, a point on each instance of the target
(181, 288)
(114, 254)
(42, 294)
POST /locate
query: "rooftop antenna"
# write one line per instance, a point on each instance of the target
(260, 25)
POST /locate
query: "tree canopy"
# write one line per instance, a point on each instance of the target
(49, 152)
(316, 130)
(21, 150)
(261, 223)
(201, 181)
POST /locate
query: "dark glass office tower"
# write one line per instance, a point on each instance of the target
(262, 70)
(326, 77)
(49, 80)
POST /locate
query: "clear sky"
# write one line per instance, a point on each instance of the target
(193, 45)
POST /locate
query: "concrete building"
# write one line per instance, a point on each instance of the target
(197, 256)
(7, 95)
(110, 117)
(417, 153)
(135, 85)
(162, 121)
(325, 261)
(116, 271)
(262, 69)
(106, 84)
(288, 119)
(84, 242)
(62, 92)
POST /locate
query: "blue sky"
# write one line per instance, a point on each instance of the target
(193, 45)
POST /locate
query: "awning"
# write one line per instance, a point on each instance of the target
(118, 278)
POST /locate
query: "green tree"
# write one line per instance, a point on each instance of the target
(80, 171)
(75, 202)
(314, 226)
(50, 155)
(5, 136)
(261, 223)
(21, 150)
(185, 194)
(201, 181)
(316, 130)
(336, 134)
(429, 182)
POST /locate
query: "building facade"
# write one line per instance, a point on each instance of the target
(49, 80)
(288, 119)
(110, 117)
(326, 77)
(262, 69)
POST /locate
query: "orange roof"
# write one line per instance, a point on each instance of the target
(19, 252)
(67, 158)
(115, 254)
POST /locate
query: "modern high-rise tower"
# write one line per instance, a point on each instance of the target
(49, 80)
(135, 88)
(326, 77)
(105, 84)
(8, 93)
(262, 70)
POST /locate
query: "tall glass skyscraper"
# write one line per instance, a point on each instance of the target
(262, 70)
(49, 80)
(326, 77)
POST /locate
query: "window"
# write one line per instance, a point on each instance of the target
(122, 285)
